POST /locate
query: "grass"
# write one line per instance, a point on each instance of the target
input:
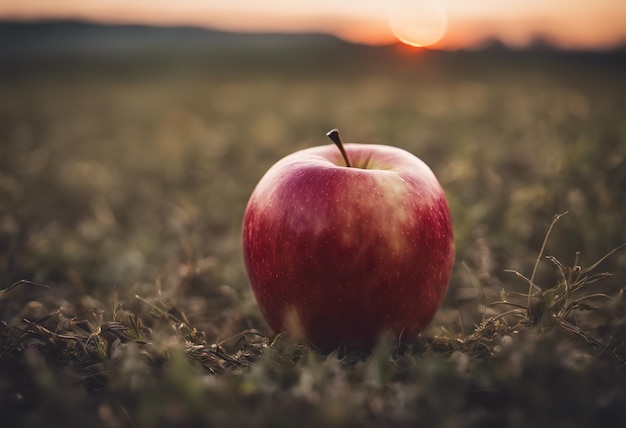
(124, 300)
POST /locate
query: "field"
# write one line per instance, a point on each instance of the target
(123, 181)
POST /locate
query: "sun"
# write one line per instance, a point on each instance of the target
(418, 22)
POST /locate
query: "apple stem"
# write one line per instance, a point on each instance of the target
(333, 134)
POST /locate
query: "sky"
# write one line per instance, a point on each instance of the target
(440, 24)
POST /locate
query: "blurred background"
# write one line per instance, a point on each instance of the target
(132, 133)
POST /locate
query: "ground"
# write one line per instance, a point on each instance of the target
(123, 183)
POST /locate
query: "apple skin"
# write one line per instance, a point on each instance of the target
(341, 255)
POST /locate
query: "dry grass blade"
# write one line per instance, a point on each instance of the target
(593, 341)
(606, 256)
(3, 293)
(214, 358)
(542, 308)
(543, 246)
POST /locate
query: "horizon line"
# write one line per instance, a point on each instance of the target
(536, 43)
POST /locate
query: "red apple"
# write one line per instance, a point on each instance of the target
(339, 254)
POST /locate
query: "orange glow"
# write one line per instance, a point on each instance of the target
(466, 23)
(418, 23)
